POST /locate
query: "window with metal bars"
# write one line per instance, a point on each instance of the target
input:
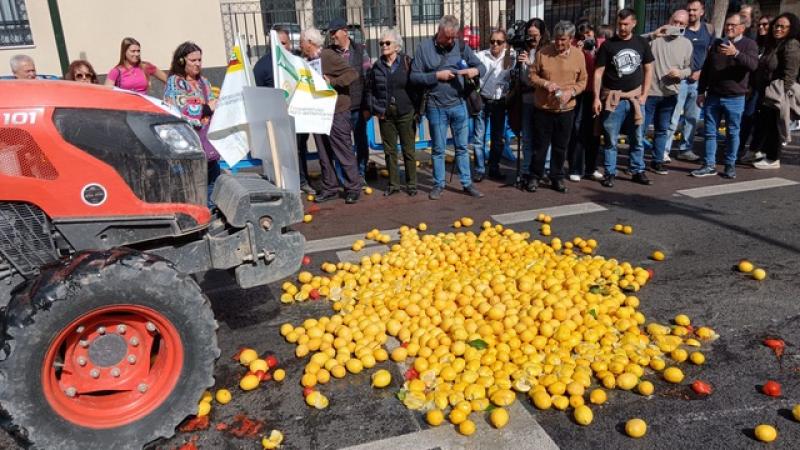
(326, 10)
(426, 10)
(15, 29)
(379, 12)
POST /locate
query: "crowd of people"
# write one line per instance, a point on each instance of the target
(569, 97)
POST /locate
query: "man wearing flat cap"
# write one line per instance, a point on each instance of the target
(357, 57)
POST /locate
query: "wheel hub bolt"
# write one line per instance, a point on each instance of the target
(71, 391)
(142, 388)
(101, 330)
(94, 373)
(84, 343)
(151, 327)
(134, 341)
(81, 361)
(115, 372)
(121, 329)
(80, 329)
(132, 359)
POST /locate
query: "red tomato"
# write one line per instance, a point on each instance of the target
(412, 374)
(650, 273)
(772, 388)
(272, 361)
(307, 391)
(306, 260)
(314, 294)
(777, 345)
(702, 388)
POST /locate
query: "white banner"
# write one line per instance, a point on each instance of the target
(312, 102)
(228, 130)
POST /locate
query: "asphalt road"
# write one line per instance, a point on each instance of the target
(703, 239)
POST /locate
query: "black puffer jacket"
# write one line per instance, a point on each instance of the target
(385, 87)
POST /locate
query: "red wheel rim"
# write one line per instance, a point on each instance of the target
(112, 366)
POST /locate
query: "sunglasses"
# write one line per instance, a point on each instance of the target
(764, 24)
(83, 76)
(385, 43)
(778, 26)
(497, 42)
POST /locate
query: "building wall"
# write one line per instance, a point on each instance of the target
(93, 30)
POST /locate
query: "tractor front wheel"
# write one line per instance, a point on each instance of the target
(106, 350)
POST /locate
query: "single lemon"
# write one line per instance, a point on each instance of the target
(683, 320)
(223, 396)
(368, 190)
(381, 378)
(498, 417)
(272, 441)
(627, 381)
(354, 365)
(583, 415)
(279, 375)
(249, 382)
(759, 274)
(598, 397)
(657, 255)
(457, 416)
(467, 427)
(258, 364)
(467, 221)
(796, 412)
(422, 226)
(636, 428)
(203, 408)
(247, 356)
(618, 227)
(766, 433)
(542, 400)
(434, 417)
(308, 218)
(627, 229)
(207, 397)
(673, 375)
(745, 266)
(645, 388)
(310, 197)
(697, 358)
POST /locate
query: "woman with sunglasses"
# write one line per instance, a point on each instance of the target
(748, 129)
(388, 98)
(780, 61)
(131, 73)
(495, 84)
(81, 71)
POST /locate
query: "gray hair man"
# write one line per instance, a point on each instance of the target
(356, 55)
(558, 75)
(673, 64)
(23, 67)
(442, 67)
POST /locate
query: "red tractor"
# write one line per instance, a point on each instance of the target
(107, 341)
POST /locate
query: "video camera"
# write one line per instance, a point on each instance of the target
(519, 37)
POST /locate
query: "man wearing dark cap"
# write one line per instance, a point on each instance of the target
(357, 57)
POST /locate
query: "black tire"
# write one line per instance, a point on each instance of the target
(66, 292)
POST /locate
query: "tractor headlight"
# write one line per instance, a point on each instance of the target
(179, 137)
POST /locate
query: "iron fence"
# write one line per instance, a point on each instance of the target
(416, 19)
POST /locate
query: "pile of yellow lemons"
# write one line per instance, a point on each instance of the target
(483, 318)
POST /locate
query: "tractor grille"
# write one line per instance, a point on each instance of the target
(25, 239)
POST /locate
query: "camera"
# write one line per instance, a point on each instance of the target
(519, 37)
(589, 44)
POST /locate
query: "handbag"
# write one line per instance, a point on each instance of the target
(473, 99)
(208, 148)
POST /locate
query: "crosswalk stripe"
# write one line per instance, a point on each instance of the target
(733, 188)
(554, 211)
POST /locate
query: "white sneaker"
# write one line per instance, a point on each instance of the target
(597, 176)
(667, 159)
(752, 156)
(575, 178)
(767, 164)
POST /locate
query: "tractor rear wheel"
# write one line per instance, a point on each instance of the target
(107, 350)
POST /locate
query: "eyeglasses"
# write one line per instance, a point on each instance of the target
(778, 26)
(385, 43)
(732, 25)
(497, 42)
(83, 76)
(763, 24)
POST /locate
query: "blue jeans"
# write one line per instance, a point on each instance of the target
(615, 121)
(687, 110)
(439, 120)
(714, 108)
(658, 112)
(478, 140)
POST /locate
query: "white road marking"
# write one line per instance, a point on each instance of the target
(521, 432)
(340, 242)
(354, 257)
(733, 188)
(554, 211)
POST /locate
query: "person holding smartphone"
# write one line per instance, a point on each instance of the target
(723, 85)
